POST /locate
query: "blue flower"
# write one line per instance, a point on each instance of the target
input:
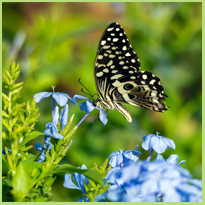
(51, 127)
(64, 117)
(79, 180)
(40, 147)
(157, 142)
(52, 130)
(160, 180)
(133, 194)
(88, 107)
(121, 158)
(173, 159)
(59, 97)
(4, 151)
(47, 143)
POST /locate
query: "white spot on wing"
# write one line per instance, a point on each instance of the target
(103, 42)
(99, 74)
(110, 29)
(125, 67)
(110, 63)
(111, 56)
(100, 57)
(127, 54)
(124, 48)
(115, 39)
(116, 76)
(152, 82)
(106, 70)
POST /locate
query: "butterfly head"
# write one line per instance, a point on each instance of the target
(98, 103)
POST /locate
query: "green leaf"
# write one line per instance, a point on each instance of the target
(17, 90)
(26, 148)
(21, 182)
(4, 136)
(18, 85)
(16, 96)
(8, 74)
(16, 75)
(30, 137)
(90, 173)
(21, 116)
(6, 80)
(5, 123)
(5, 98)
(7, 182)
(4, 114)
(14, 120)
(14, 68)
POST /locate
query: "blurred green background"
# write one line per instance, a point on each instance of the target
(56, 44)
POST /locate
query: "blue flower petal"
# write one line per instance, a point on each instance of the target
(77, 97)
(64, 117)
(60, 98)
(51, 130)
(56, 115)
(196, 182)
(71, 99)
(57, 136)
(80, 178)
(103, 116)
(146, 144)
(116, 160)
(173, 159)
(131, 156)
(47, 142)
(169, 142)
(68, 183)
(42, 156)
(39, 96)
(158, 144)
(87, 106)
(160, 158)
(38, 146)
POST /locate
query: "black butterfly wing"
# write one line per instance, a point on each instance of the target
(117, 75)
(115, 57)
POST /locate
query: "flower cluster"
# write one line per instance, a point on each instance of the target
(132, 180)
(51, 129)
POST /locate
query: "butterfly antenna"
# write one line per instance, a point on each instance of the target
(88, 92)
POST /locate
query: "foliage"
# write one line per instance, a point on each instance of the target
(27, 179)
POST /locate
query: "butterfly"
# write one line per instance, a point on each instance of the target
(117, 76)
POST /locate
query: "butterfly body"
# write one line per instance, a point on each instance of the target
(118, 79)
